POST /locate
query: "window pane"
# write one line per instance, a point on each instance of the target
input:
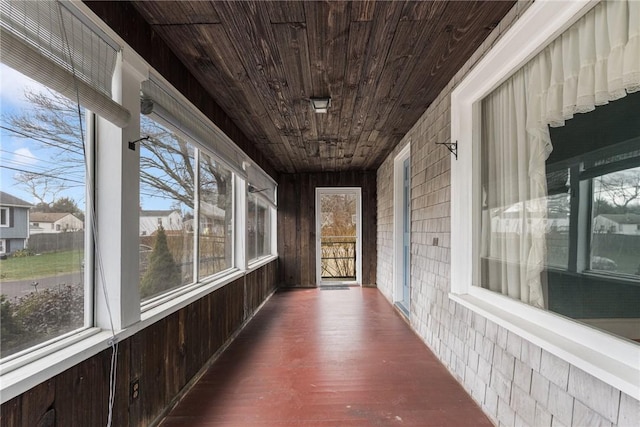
(615, 237)
(42, 200)
(263, 230)
(216, 217)
(166, 210)
(544, 250)
(252, 250)
(258, 227)
(338, 236)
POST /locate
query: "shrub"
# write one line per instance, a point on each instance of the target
(51, 311)
(10, 329)
(22, 253)
(163, 272)
(40, 316)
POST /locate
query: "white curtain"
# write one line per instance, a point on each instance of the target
(594, 62)
(513, 240)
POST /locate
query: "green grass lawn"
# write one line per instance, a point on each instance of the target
(44, 265)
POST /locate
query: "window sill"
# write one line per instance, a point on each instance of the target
(259, 262)
(608, 358)
(87, 343)
(612, 278)
(73, 350)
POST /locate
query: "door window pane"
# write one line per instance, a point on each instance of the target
(338, 236)
(42, 200)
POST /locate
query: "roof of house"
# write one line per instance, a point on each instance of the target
(7, 199)
(622, 218)
(158, 212)
(48, 216)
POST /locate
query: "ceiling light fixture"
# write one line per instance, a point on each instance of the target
(321, 104)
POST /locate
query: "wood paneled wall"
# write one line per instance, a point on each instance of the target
(297, 226)
(163, 357)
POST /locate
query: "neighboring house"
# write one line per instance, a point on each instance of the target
(151, 220)
(211, 220)
(54, 222)
(14, 223)
(617, 223)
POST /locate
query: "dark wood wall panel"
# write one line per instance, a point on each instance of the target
(258, 287)
(163, 357)
(297, 230)
(126, 21)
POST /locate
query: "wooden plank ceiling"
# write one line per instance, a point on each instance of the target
(382, 64)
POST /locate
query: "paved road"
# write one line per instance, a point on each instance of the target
(18, 288)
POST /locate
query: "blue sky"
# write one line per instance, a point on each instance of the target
(19, 153)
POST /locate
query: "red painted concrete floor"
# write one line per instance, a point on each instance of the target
(327, 358)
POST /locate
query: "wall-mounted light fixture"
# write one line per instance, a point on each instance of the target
(321, 104)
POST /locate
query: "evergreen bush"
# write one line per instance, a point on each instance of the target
(163, 273)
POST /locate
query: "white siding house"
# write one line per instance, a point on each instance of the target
(151, 220)
(617, 223)
(14, 223)
(54, 222)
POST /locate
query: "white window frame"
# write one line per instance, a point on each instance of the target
(117, 188)
(7, 219)
(607, 357)
(3, 246)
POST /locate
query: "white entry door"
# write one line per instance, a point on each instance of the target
(338, 231)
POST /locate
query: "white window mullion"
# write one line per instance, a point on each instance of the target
(89, 222)
(117, 187)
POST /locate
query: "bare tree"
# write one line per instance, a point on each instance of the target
(53, 123)
(45, 189)
(620, 189)
(338, 235)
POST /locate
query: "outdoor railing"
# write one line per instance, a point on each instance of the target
(338, 257)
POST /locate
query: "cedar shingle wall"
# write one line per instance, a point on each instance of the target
(515, 381)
